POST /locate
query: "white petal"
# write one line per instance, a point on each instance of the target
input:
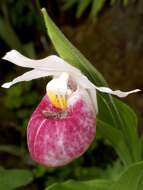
(92, 93)
(118, 93)
(50, 63)
(30, 75)
(85, 83)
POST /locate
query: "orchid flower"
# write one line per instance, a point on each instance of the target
(63, 125)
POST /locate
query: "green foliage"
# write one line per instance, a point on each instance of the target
(11, 149)
(11, 179)
(120, 130)
(19, 96)
(7, 28)
(68, 52)
(116, 139)
(95, 6)
(142, 145)
(131, 178)
(18, 99)
(85, 185)
(82, 5)
(130, 130)
(10, 37)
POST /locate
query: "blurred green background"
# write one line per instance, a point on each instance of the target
(109, 33)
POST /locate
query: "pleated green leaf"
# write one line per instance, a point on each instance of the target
(116, 139)
(130, 129)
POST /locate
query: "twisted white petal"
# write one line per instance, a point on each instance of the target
(30, 75)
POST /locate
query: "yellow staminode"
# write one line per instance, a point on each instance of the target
(57, 90)
(59, 101)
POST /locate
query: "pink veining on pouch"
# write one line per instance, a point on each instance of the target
(55, 141)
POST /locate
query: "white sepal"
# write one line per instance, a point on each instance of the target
(50, 63)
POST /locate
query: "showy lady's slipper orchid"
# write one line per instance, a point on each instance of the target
(63, 125)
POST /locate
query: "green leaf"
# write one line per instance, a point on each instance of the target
(116, 139)
(96, 7)
(9, 36)
(13, 97)
(29, 49)
(72, 55)
(11, 179)
(113, 171)
(141, 139)
(112, 2)
(82, 5)
(82, 185)
(125, 2)
(131, 178)
(130, 129)
(140, 184)
(68, 4)
(68, 52)
(11, 149)
(105, 113)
